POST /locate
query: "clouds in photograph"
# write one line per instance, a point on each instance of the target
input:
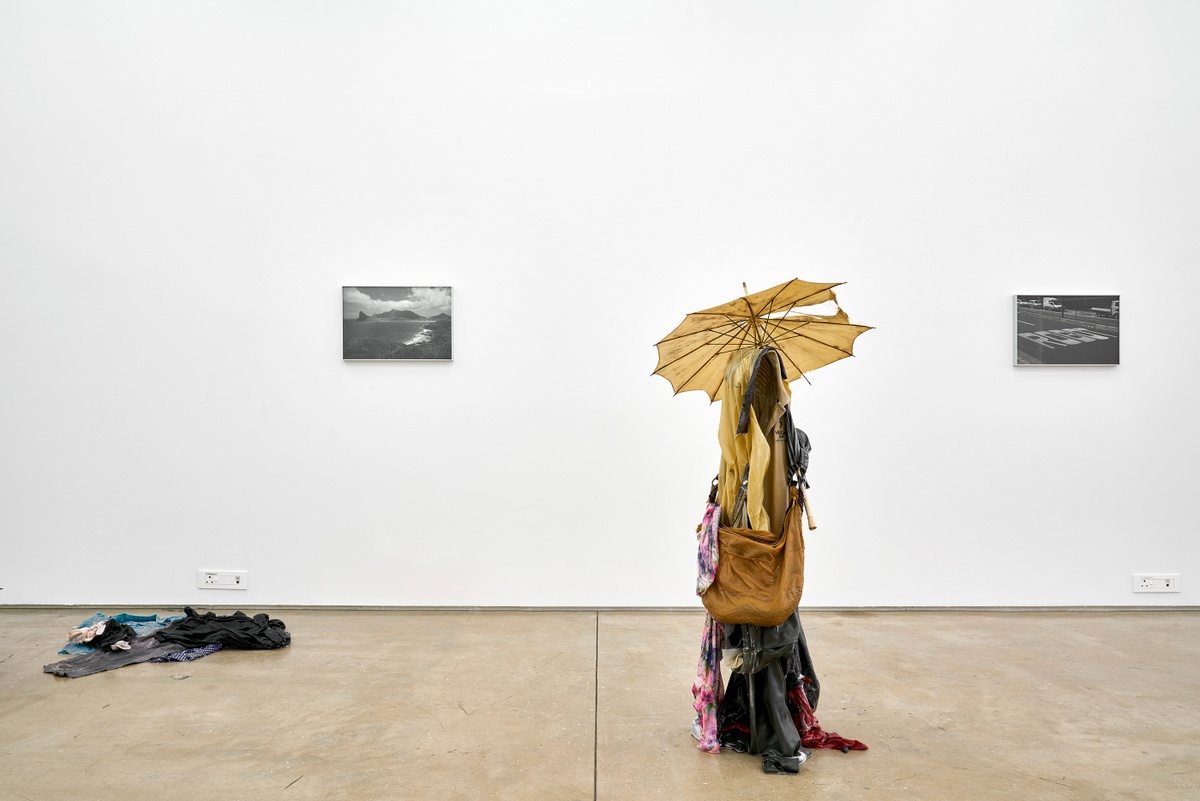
(428, 301)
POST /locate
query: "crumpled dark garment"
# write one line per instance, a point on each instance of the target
(770, 712)
(790, 651)
(232, 631)
(113, 632)
(754, 716)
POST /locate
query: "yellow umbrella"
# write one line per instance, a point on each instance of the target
(695, 354)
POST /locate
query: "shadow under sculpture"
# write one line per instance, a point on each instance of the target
(754, 520)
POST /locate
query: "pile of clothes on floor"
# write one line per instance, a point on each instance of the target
(103, 643)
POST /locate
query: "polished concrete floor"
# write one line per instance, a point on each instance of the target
(596, 705)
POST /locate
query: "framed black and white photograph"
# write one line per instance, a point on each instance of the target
(396, 322)
(1079, 330)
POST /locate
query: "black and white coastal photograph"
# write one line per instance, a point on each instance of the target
(396, 322)
(1067, 329)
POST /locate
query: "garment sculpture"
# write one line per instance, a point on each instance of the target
(768, 706)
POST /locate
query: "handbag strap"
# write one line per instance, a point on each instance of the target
(739, 517)
(748, 395)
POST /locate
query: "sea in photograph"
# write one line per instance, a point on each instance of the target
(398, 332)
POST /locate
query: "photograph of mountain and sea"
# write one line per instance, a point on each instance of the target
(396, 322)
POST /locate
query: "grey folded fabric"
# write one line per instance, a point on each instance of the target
(141, 649)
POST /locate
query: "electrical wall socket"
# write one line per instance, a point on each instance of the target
(1156, 582)
(223, 579)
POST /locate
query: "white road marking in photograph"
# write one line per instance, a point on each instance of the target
(1063, 336)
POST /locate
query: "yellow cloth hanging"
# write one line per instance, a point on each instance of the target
(751, 448)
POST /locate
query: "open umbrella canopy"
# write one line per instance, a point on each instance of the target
(695, 354)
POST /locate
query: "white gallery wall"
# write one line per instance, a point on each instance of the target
(185, 188)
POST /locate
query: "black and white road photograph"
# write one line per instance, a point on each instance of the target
(396, 322)
(1067, 329)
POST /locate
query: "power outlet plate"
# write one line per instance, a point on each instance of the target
(1156, 582)
(223, 579)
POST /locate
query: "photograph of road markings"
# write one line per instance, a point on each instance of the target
(1067, 329)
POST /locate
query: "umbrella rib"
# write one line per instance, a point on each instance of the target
(745, 333)
(719, 353)
(738, 326)
(795, 303)
(715, 328)
(721, 383)
(800, 301)
(729, 337)
(717, 391)
(787, 336)
(801, 335)
(782, 287)
(793, 363)
(775, 323)
(789, 333)
(751, 316)
(776, 326)
(707, 362)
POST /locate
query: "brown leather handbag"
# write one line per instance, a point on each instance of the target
(760, 576)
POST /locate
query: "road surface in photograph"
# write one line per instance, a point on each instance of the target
(1055, 337)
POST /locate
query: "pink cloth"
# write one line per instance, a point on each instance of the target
(709, 688)
(707, 555)
(87, 634)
